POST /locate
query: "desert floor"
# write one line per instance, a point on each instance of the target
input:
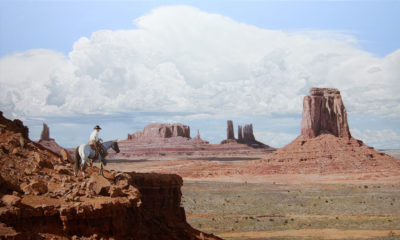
(294, 211)
(283, 206)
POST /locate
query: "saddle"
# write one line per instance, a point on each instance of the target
(98, 149)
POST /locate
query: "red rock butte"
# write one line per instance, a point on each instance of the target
(324, 112)
(326, 145)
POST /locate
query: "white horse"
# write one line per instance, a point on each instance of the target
(83, 152)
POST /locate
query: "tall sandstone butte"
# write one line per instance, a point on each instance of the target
(230, 134)
(240, 133)
(324, 112)
(45, 134)
(248, 135)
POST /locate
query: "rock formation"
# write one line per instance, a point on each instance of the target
(158, 130)
(52, 145)
(240, 134)
(45, 134)
(230, 134)
(325, 144)
(248, 136)
(324, 112)
(198, 134)
(41, 199)
(245, 136)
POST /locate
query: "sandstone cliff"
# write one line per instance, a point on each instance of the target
(324, 112)
(41, 199)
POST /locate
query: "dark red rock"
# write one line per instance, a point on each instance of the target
(324, 112)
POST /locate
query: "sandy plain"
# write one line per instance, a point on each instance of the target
(236, 206)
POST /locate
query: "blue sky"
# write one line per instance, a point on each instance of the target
(57, 24)
(71, 41)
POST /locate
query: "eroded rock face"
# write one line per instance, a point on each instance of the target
(230, 134)
(158, 130)
(324, 112)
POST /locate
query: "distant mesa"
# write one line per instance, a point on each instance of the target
(324, 112)
(163, 133)
(157, 130)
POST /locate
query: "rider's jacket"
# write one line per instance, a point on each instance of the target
(94, 136)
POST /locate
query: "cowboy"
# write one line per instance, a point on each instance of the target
(94, 141)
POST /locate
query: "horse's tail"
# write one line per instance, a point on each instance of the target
(77, 159)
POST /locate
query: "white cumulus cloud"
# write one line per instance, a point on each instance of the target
(180, 59)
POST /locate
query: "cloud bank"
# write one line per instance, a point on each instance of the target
(380, 139)
(180, 59)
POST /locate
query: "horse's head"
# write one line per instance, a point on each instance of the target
(115, 146)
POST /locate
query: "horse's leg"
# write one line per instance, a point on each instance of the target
(83, 167)
(77, 161)
(101, 169)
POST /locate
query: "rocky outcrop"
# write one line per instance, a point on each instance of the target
(324, 112)
(41, 199)
(245, 136)
(248, 136)
(230, 134)
(240, 133)
(15, 126)
(52, 145)
(45, 134)
(158, 130)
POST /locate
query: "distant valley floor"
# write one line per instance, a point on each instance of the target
(291, 211)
